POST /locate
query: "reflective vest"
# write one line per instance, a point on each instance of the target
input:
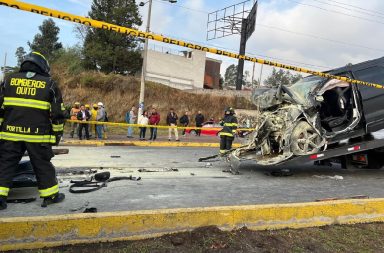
(93, 115)
(32, 108)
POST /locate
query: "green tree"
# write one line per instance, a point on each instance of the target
(230, 75)
(280, 76)
(20, 54)
(109, 51)
(221, 82)
(46, 41)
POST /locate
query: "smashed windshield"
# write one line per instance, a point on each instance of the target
(302, 89)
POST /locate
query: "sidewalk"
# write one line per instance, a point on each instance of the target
(161, 141)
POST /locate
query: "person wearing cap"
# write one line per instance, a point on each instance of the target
(32, 109)
(93, 118)
(101, 118)
(227, 134)
(74, 125)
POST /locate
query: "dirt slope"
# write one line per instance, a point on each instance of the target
(119, 93)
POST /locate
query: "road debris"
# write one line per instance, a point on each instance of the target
(159, 170)
(336, 177)
(90, 210)
(80, 208)
(101, 181)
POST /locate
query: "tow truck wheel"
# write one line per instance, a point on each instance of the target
(304, 139)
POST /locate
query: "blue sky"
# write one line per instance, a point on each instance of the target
(316, 34)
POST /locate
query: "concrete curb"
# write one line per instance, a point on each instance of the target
(143, 144)
(49, 231)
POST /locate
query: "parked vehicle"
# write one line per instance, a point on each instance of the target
(305, 117)
(209, 128)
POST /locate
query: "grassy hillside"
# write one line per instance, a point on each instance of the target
(119, 93)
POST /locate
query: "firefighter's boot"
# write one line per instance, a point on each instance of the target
(3, 202)
(56, 198)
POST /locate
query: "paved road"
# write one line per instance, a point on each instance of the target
(193, 185)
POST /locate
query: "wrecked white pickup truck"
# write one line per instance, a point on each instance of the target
(305, 117)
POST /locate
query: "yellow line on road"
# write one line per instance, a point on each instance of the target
(47, 231)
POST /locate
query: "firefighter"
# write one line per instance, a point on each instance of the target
(227, 134)
(74, 125)
(32, 111)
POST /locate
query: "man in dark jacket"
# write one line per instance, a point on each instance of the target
(83, 115)
(184, 121)
(199, 119)
(227, 134)
(31, 108)
(172, 122)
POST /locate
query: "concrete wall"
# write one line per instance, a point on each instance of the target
(177, 71)
(226, 93)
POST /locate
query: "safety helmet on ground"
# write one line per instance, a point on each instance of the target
(39, 60)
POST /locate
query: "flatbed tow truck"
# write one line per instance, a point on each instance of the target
(362, 153)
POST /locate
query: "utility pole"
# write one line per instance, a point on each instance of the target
(253, 74)
(144, 67)
(5, 64)
(243, 44)
(261, 73)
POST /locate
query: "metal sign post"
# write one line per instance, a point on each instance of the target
(234, 19)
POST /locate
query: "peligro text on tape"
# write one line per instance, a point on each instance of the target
(136, 33)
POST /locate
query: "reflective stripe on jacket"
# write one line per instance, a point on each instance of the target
(229, 126)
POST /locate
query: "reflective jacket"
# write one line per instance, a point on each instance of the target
(229, 124)
(32, 108)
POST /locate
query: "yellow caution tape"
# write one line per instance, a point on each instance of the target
(116, 124)
(136, 33)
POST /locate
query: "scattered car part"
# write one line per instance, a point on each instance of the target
(91, 186)
(90, 210)
(159, 170)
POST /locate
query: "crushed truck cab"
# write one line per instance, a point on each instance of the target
(313, 114)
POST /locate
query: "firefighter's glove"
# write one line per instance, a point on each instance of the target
(58, 139)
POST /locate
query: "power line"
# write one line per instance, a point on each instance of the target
(350, 9)
(357, 7)
(182, 6)
(318, 37)
(290, 31)
(252, 54)
(338, 12)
